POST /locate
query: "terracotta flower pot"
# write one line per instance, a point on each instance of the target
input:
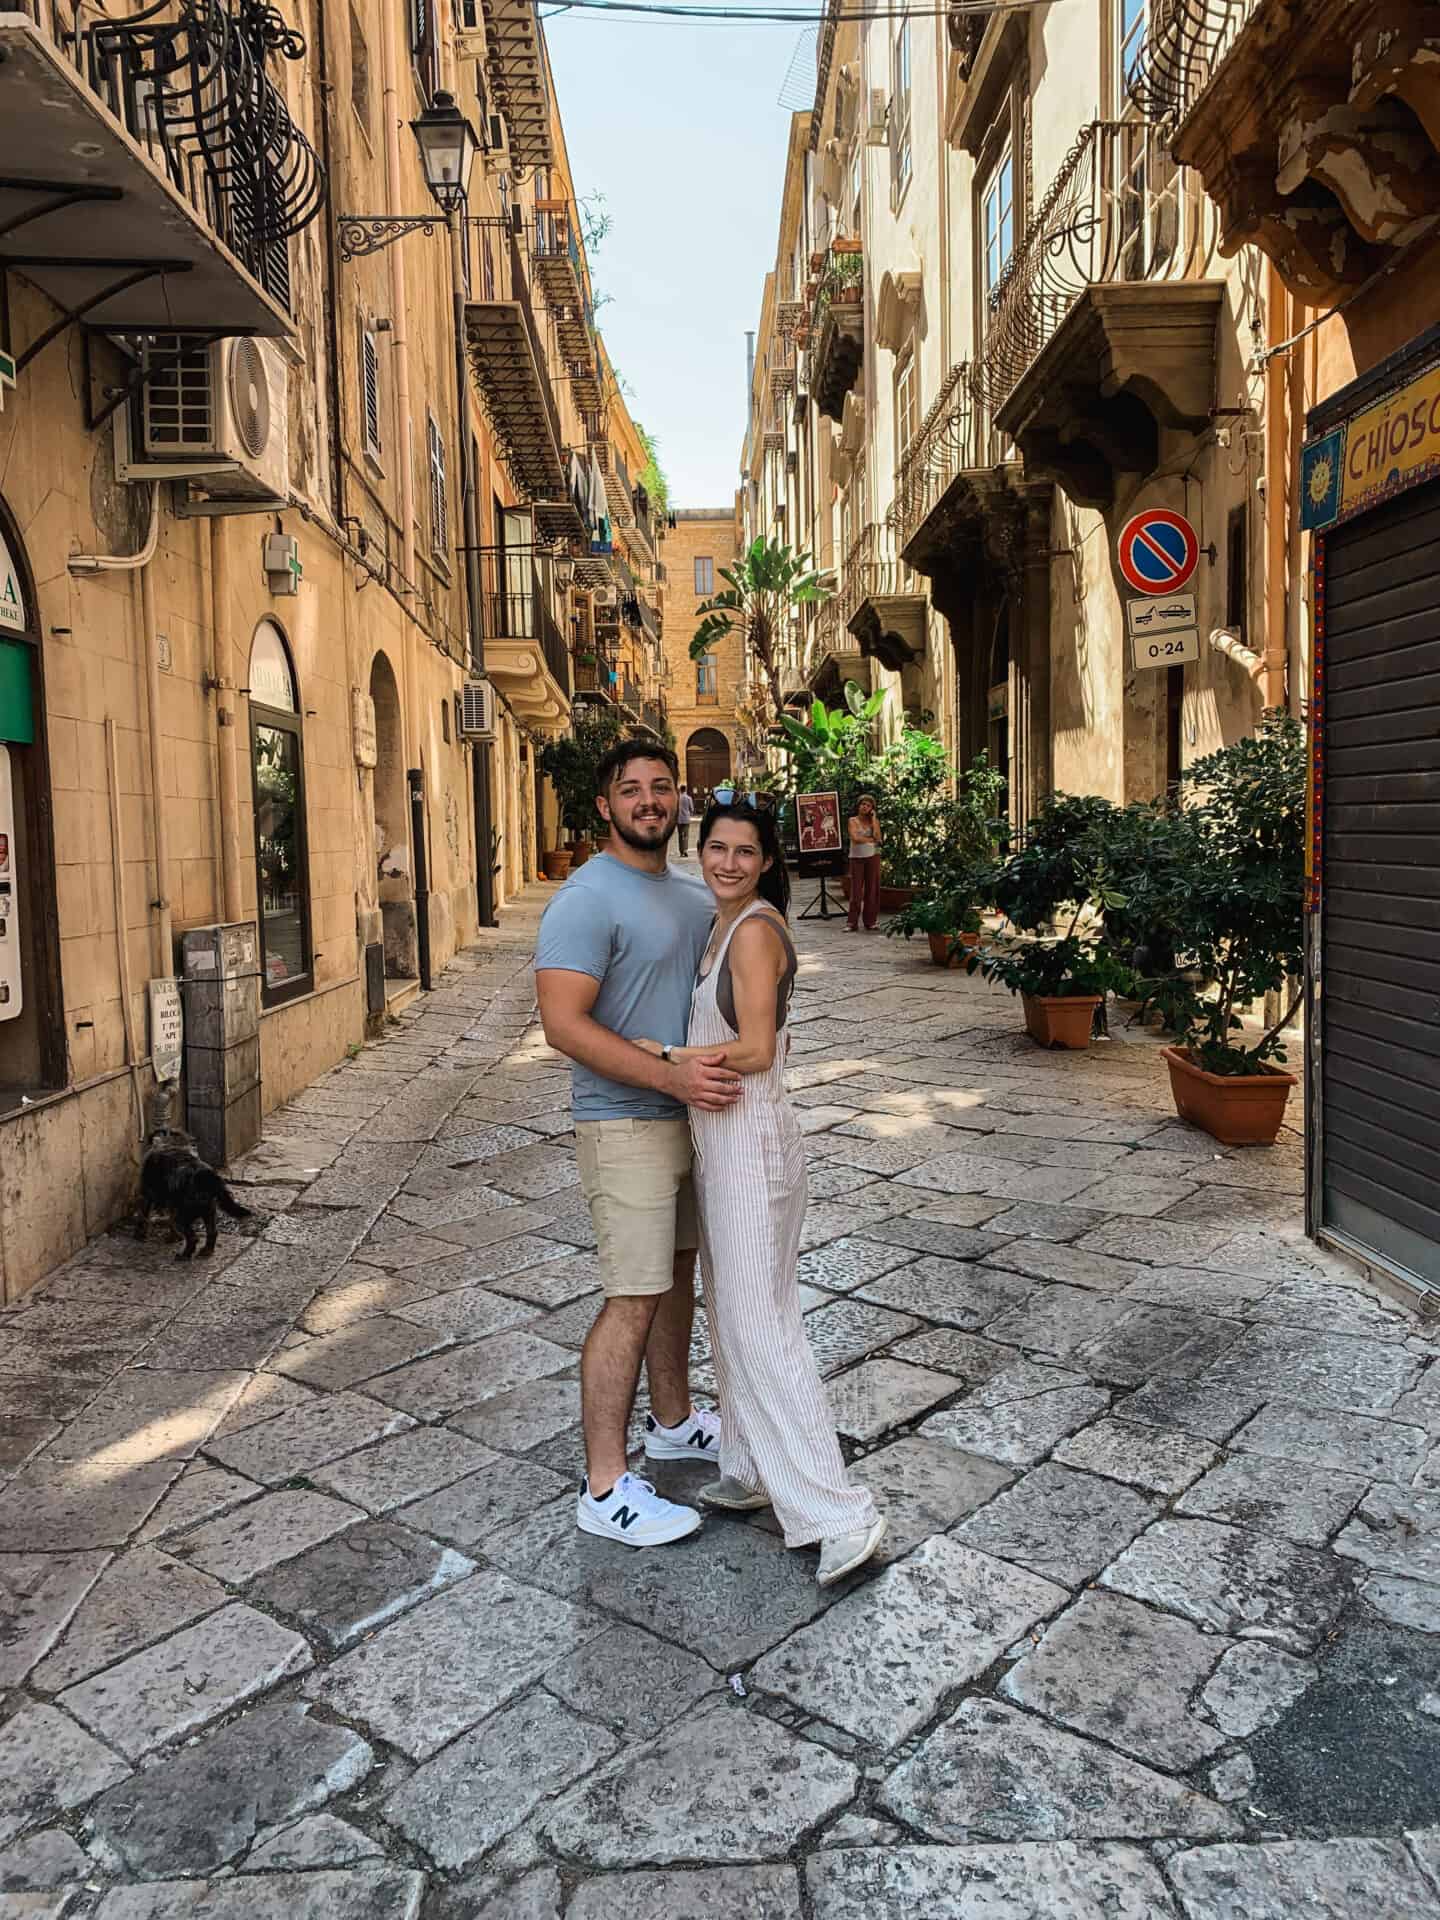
(557, 863)
(1237, 1109)
(846, 243)
(949, 949)
(1060, 1020)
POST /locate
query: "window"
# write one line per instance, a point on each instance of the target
(707, 680)
(899, 116)
(997, 221)
(704, 576)
(907, 405)
(370, 391)
(439, 498)
(1131, 21)
(857, 183)
(359, 73)
(424, 46)
(277, 766)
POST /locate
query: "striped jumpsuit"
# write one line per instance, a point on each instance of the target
(778, 1431)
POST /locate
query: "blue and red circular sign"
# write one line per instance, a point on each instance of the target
(1158, 551)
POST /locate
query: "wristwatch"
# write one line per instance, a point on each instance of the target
(667, 1053)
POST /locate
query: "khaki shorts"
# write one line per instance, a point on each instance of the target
(636, 1176)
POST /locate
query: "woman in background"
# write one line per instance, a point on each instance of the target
(778, 1446)
(865, 838)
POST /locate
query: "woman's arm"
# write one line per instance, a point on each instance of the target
(757, 964)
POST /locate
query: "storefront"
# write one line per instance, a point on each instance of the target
(1370, 492)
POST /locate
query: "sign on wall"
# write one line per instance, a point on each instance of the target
(1164, 631)
(1158, 551)
(1391, 445)
(14, 617)
(167, 1030)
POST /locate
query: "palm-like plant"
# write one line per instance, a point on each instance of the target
(764, 586)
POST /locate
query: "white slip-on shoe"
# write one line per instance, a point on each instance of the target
(842, 1553)
(697, 1438)
(732, 1496)
(634, 1514)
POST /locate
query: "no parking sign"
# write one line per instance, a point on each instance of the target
(1158, 551)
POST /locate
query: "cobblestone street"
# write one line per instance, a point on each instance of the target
(296, 1623)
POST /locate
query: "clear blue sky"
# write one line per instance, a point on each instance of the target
(676, 122)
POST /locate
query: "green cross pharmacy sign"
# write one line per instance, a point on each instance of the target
(7, 375)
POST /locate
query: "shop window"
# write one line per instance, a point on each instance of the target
(277, 763)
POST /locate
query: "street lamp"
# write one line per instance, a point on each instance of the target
(448, 145)
(564, 570)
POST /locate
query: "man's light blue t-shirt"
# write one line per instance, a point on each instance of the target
(641, 935)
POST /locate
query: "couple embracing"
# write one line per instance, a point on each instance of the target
(670, 996)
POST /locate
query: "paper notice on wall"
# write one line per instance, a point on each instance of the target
(167, 1031)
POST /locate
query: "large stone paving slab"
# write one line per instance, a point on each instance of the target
(143, 1595)
(882, 1659)
(205, 1804)
(724, 1786)
(636, 1684)
(952, 1292)
(472, 1511)
(924, 1486)
(1004, 1775)
(1156, 1458)
(1239, 1582)
(871, 1399)
(437, 1671)
(1319, 1369)
(321, 1430)
(1125, 1675)
(1347, 1442)
(704, 1893)
(402, 1469)
(39, 1593)
(1322, 1879)
(1060, 1524)
(460, 1804)
(461, 1376)
(1396, 1532)
(1027, 1882)
(47, 1765)
(388, 1893)
(71, 1508)
(1276, 1496)
(187, 1681)
(352, 1585)
(258, 1536)
(1020, 1413)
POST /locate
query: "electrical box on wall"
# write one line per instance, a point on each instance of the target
(11, 988)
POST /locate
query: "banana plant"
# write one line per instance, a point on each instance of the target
(764, 587)
(832, 749)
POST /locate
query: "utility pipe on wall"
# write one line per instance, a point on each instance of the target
(1277, 494)
(225, 739)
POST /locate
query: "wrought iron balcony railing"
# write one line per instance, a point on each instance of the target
(516, 602)
(945, 445)
(191, 85)
(653, 716)
(1119, 209)
(873, 570)
(507, 355)
(1185, 45)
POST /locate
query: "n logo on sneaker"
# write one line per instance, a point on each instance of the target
(699, 1438)
(623, 1517)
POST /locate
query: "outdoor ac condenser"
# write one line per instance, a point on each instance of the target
(477, 710)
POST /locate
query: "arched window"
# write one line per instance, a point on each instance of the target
(277, 765)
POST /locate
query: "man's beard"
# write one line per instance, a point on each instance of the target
(647, 838)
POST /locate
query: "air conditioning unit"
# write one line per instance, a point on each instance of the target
(875, 135)
(607, 597)
(219, 414)
(477, 710)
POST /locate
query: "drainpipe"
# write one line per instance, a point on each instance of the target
(224, 686)
(422, 874)
(139, 565)
(1277, 493)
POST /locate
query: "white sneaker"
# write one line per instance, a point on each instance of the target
(633, 1513)
(697, 1438)
(733, 1497)
(845, 1551)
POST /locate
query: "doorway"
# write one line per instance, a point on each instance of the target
(707, 764)
(390, 827)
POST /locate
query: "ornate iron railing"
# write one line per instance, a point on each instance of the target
(946, 443)
(874, 570)
(1119, 209)
(516, 606)
(1186, 43)
(190, 85)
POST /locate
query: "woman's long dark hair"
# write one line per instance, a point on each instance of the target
(775, 880)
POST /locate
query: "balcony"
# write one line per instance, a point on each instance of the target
(1102, 332)
(881, 601)
(559, 273)
(837, 329)
(507, 359)
(944, 449)
(653, 716)
(832, 654)
(153, 175)
(526, 654)
(565, 522)
(1314, 125)
(515, 68)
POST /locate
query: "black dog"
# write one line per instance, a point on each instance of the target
(174, 1179)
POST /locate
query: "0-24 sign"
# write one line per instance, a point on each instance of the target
(1166, 649)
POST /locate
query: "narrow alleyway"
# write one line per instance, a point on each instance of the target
(292, 1601)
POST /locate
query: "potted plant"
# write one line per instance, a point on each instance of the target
(952, 837)
(1237, 910)
(846, 244)
(1061, 876)
(947, 918)
(571, 764)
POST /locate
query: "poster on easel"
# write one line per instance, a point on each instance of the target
(819, 836)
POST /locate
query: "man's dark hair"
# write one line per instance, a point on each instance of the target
(623, 752)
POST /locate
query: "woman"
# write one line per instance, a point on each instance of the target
(778, 1445)
(864, 864)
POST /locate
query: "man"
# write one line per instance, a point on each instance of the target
(616, 961)
(686, 816)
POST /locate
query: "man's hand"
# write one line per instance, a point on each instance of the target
(705, 1081)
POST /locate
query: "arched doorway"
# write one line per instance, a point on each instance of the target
(707, 762)
(282, 863)
(32, 1038)
(390, 818)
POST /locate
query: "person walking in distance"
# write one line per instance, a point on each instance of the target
(865, 839)
(618, 949)
(685, 820)
(779, 1447)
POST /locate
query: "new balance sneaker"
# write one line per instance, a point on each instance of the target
(633, 1513)
(843, 1552)
(697, 1438)
(733, 1497)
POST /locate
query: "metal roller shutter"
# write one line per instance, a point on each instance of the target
(1378, 1146)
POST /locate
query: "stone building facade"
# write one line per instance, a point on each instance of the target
(704, 698)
